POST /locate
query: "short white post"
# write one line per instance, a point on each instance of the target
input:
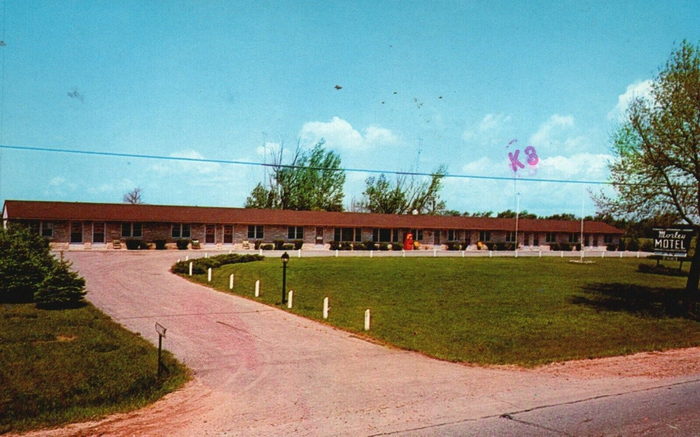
(540, 254)
(463, 254)
(620, 254)
(260, 251)
(230, 251)
(187, 257)
(434, 252)
(367, 319)
(230, 282)
(190, 268)
(290, 298)
(403, 253)
(516, 253)
(637, 254)
(336, 253)
(561, 254)
(206, 254)
(325, 307)
(490, 253)
(298, 253)
(257, 288)
(371, 253)
(209, 274)
(178, 260)
(602, 255)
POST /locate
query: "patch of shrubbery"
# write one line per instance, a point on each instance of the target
(661, 270)
(29, 273)
(200, 265)
(182, 243)
(135, 244)
(565, 246)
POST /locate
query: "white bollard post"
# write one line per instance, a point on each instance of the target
(561, 254)
(257, 288)
(206, 254)
(540, 254)
(187, 257)
(602, 255)
(178, 260)
(298, 253)
(336, 253)
(371, 254)
(325, 307)
(230, 251)
(209, 274)
(516, 253)
(403, 253)
(367, 319)
(190, 268)
(434, 252)
(463, 254)
(490, 254)
(620, 254)
(290, 298)
(637, 254)
(260, 251)
(230, 282)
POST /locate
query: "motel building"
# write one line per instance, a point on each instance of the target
(74, 225)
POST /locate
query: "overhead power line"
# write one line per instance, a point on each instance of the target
(264, 164)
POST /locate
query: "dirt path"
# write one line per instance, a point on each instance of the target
(259, 371)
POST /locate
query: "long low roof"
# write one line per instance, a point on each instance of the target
(120, 212)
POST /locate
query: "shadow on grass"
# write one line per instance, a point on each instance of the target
(652, 302)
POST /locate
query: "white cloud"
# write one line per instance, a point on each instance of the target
(641, 89)
(202, 168)
(488, 129)
(580, 166)
(550, 131)
(340, 134)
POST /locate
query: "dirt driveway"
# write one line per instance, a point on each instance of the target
(261, 371)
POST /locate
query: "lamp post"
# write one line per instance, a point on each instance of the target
(285, 260)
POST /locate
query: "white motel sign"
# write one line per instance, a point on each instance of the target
(672, 242)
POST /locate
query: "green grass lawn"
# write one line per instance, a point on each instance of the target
(525, 311)
(60, 366)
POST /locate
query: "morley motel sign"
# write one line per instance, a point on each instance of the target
(672, 242)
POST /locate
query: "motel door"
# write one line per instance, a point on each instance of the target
(76, 232)
(228, 234)
(98, 232)
(319, 235)
(210, 234)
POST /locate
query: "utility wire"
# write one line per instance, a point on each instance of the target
(264, 164)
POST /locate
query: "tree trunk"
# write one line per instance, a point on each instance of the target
(694, 275)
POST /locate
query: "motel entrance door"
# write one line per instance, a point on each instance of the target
(76, 232)
(319, 235)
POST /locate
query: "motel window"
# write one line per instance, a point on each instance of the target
(484, 236)
(452, 235)
(510, 237)
(131, 230)
(574, 237)
(385, 235)
(256, 232)
(228, 234)
(47, 229)
(181, 230)
(347, 234)
(550, 237)
(607, 238)
(417, 234)
(295, 232)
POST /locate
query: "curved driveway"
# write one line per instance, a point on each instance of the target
(262, 371)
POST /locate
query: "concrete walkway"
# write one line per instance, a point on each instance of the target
(262, 371)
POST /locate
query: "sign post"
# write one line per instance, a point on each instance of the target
(160, 329)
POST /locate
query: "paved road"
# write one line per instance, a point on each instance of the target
(262, 371)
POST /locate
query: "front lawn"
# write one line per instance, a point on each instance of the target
(60, 366)
(525, 311)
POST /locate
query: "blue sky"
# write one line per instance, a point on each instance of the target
(423, 84)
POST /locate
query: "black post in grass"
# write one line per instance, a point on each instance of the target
(285, 260)
(160, 329)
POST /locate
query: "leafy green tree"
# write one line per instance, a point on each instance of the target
(656, 170)
(61, 287)
(404, 195)
(512, 214)
(313, 180)
(24, 261)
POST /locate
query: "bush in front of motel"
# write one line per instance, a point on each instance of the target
(200, 265)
